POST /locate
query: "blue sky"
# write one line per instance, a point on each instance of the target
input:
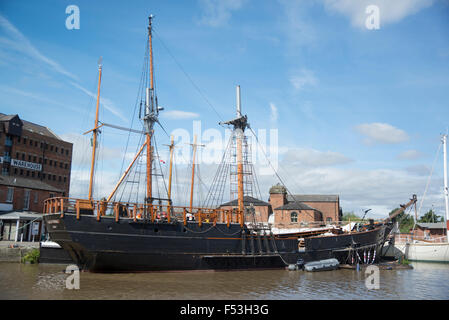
(359, 112)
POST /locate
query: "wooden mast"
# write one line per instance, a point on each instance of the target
(194, 145)
(150, 103)
(239, 132)
(171, 146)
(94, 139)
(193, 173)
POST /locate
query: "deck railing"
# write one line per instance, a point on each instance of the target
(136, 211)
(404, 238)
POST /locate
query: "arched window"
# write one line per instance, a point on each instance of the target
(294, 216)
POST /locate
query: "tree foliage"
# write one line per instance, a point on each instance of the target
(350, 216)
(406, 221)
(430, 216)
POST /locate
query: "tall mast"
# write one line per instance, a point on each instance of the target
(239, 133)
(172, 146)
(192, 183)
(240, 123)
(94, 138)
(446, 191)
(150, 117)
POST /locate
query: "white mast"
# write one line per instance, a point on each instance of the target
(446, 191)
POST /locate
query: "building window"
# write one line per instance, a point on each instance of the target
(26, 200)
(29, 158)
(24, 140)
(32, 174)
(328, 219)
(294, 216)
(10, 195)
(21, 172)
(52, 195)
(36, 197)
(65, 179)
(51, 148)
(23, 156)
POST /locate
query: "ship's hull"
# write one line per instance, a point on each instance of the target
(421, 251)
(128, 246)
(343, 246)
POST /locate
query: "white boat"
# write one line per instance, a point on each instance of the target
(425, 251)
(322, 265)
(431, 251)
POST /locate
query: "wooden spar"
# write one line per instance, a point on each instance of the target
(193, 173)
(194, 145)
(240, 136)
(94, 140)
(240, 171)
(172, 146)
(126, 172)
(400, 210)
(149, 134)
(149, 175)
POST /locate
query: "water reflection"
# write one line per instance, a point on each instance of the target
(425, 281)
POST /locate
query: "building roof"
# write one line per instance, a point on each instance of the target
(432, 225)
(30, 126)
(295, 205)
(27, 183)
(247, 200)
(22, 215)
(312, 198)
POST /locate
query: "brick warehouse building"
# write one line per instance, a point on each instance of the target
(35, 164)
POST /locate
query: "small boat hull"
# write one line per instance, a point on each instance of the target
(322, 265)
(422, 251)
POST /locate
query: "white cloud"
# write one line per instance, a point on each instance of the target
(314, 158)
(218, 12)
(274, 112)
(106, 103)
(390, 11)
(19, 43)
(178, 114)
(381, 133)
(409, 155)
(303, 78)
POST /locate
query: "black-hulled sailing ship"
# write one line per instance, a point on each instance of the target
(155, 234)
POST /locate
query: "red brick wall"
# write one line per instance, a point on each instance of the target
(19, 195)
(277, 200)
(58, 153)
(282, 218)
(329, 209)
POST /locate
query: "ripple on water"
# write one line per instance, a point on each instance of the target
(425, 281)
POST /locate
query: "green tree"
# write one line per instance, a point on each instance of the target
(406, 221)
(350, 216)
(430, 216)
